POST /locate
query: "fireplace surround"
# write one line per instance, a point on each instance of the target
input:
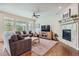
(69, 33)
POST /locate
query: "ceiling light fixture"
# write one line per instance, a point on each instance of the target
(59, 7)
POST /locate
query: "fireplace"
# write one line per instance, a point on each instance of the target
(66, 34)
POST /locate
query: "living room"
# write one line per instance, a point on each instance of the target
(39, 29)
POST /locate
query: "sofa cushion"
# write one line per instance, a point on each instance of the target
(13, 38)
(24, 32)
(18, 33)
(20, 37)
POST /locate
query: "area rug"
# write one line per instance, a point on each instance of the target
(43, 47)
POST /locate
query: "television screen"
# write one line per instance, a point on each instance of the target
(45, 28)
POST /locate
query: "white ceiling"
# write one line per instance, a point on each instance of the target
(26, 9)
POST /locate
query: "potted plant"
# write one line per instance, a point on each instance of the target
(74, 16)
(55, 36)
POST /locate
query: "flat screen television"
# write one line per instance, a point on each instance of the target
(45, 28)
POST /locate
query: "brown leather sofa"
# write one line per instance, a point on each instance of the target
(19, 45)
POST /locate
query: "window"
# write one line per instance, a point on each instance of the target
(11, 24)
(20, 26)
(8, 25)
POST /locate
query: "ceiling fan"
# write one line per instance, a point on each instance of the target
(36, 14)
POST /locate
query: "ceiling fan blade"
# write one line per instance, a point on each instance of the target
(37, 15)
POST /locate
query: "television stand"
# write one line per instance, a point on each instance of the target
(46, 35)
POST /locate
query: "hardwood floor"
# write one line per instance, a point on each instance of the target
(59, 49)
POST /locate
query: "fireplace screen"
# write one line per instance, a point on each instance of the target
(66, 34)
